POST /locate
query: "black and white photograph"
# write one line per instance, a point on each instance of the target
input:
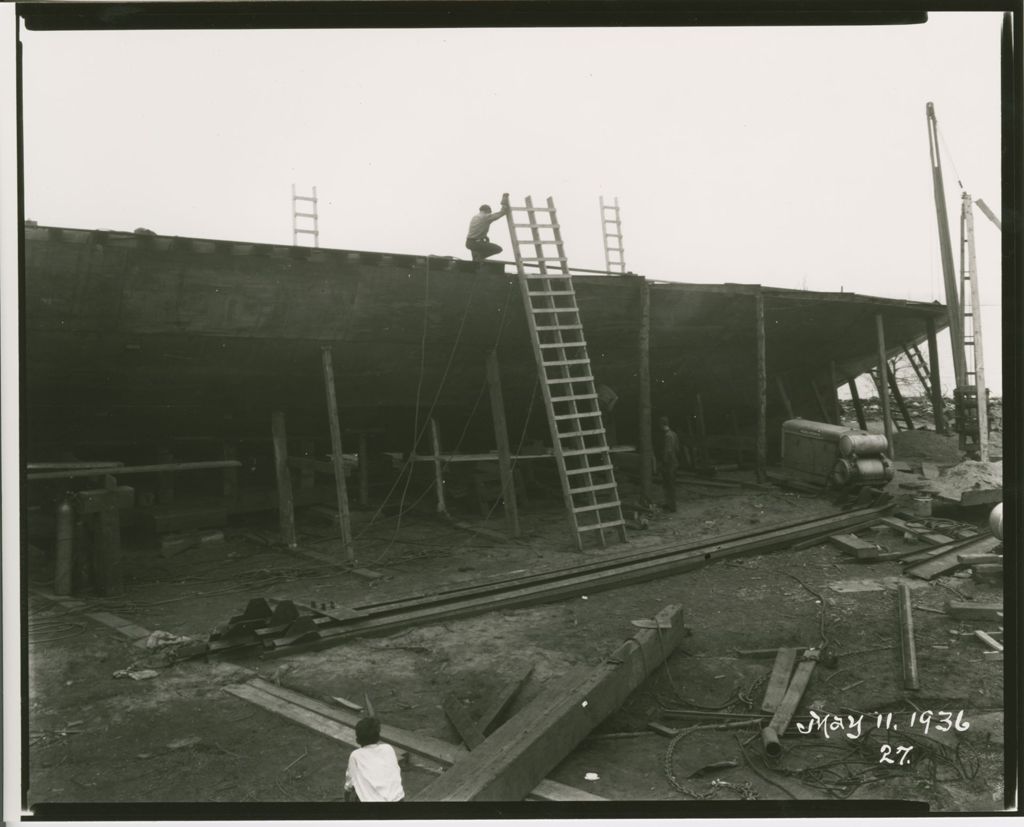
(440, 413)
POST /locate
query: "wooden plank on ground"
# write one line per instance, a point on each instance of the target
(458, 715)
(963, 610)
(340, 725)
(497, 706)
(940, 564)
(532, 742)
(854, 546)
(779, 680)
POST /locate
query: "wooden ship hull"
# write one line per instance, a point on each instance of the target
(134, 341)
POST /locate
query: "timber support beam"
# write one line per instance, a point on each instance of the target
(510, 763)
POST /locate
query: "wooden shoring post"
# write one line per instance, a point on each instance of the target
(306, 477)
(111, 575)
(761, 436)
(364, 469)
(285, 497)
(822, 408)
(858, 406)
(898, 397)
(883, 385)
(938, 406)
(435, 450)
(337, 459)
(230, 479)
(508, 483)
(646, 437)
(781, 387)
(703, 460)
(165, 481)
(833, 385)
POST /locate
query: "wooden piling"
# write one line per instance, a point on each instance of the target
(337, 459)
(858, 406)
(908, 650)
(364, 469)
(761, 437)
(834, 391)
(285, 498)
(435, 448)
(781, 387)
(508, 486)
(883, 386)
(935, 381)
(646, 438)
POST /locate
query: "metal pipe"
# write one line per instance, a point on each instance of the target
(908, 651)
(770, 741)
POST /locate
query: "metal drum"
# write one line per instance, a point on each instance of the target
(995, 521)
(870, 445)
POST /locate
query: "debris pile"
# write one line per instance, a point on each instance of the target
(968, 475)
(921, 445)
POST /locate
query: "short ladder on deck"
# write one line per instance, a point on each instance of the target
(577, 432)
(611, 226)
(305, 219)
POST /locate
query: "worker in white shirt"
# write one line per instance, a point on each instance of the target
(477, 241)
(373, 773)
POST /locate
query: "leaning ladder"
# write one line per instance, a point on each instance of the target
(311, 217)
(577, 432)
(614, 253)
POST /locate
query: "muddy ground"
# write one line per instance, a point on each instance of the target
(178, 737)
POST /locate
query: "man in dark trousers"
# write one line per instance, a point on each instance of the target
(477, 241)
(669, 462)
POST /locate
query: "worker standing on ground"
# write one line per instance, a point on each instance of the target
(477, 241)
(373, 773)
(669, 463)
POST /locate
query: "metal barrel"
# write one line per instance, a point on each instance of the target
(863, 445)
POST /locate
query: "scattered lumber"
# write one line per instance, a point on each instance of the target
(779, 680)
(921, 532)
(497, 707)
(947, 560)
(988, 640)
(531, 743)
(787, 707)
(854, 546)
(987, 572)
(467, 728)
(340, 726)
(963, 610)
(977, 559)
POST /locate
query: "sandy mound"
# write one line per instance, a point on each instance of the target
(927, 446)
(968, 476)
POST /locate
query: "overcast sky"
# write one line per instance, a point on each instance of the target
(791, 157)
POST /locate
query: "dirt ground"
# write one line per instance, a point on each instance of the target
(179, 737)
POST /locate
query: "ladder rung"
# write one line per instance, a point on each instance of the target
(540, 311)
(304, 198)
(552, 292)
(568, 380)
(530, 209)
(577, 415)
(548, 345)
(546, 259)
(548, 327)
(301, 230)
(566, 362)
(604, 486)
(588, 432)
(579, 398)
(601, 525)
(538, 226)
(593, 470)
(547, 276)
(580, 452)
(598, 507)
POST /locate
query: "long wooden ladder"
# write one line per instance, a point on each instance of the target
(973, 424)
(577, 432)
(611, 227)
(920, 366)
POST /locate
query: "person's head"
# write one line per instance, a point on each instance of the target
(485, 209)
(663, 423)
(367, 731)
